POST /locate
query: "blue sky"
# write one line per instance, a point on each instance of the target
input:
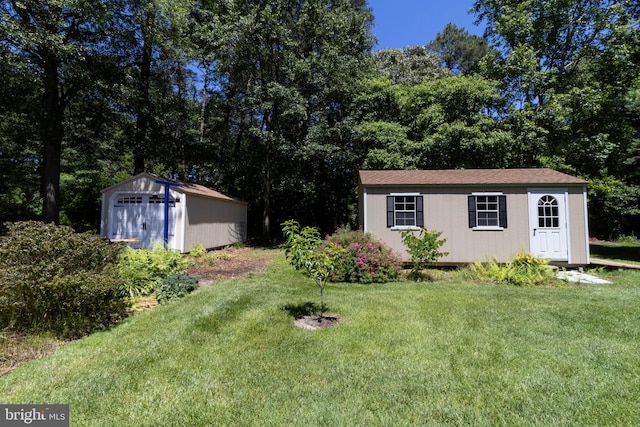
(401, 23)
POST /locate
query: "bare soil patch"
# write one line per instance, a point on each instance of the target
(229, 263)
(314, 322)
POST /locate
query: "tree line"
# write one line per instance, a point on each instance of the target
(280, 103)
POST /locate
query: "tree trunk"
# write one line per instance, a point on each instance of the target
(142, 121)
(52, 135)
(266, 198)
(203, 104)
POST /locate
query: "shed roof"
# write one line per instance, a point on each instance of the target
(183, 187)
(531, 176)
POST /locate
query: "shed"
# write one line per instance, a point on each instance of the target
(134, 211)
(483, 214)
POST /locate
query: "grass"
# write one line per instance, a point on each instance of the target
(625, 250)
(444, 353)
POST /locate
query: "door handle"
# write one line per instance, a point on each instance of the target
(534, 231)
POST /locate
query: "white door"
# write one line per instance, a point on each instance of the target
(154, 221)
(548, 224)
(126, 219)
(140, 219)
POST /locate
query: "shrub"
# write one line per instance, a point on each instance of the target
(176, 286)
(363, 259)
(198, 250)
(424, 249)
(143, 270)
(53, 279)
(524, 270)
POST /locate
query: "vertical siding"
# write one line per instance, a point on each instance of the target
(578, 238)
(142, 185)
(446, 210)
(211, 222)
(214, 223)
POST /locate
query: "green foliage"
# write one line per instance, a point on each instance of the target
(459, 50)
(524, 270)
(409, 66)
(467, 355)
(176, 286)
(299, 243)
(198, 251)
(423, 249)
(302, 248)
(53, 279)
(631, 240)
(363, 259)
(143, 270)
(614, 200)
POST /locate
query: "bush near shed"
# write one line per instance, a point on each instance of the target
(53, 279)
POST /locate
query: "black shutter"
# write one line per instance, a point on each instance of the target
(390, 203)
(502, 211)
(472, 211)
(419, 211)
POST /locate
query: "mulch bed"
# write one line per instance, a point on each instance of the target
(230, 264)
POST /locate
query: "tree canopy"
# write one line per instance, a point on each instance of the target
(280, 103)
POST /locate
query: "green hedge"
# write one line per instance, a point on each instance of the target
(53, 279)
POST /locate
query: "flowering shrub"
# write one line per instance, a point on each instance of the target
(362, 259)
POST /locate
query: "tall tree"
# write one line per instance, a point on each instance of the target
(58, 41)
(452, 122)
(151, 41)
(410, 65)
(460, 51)
(568, 67)
(289, 68)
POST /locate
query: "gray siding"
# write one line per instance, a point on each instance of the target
(446, 210)
(210, 221)
(214, 223)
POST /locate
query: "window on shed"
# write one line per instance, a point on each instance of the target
(548, 216)
(487, 211)
(127, 200)
(405, 211)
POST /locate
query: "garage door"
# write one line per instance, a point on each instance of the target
(140, 218)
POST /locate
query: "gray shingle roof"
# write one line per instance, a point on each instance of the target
(532, 176)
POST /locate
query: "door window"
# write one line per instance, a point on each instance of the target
(548, 216)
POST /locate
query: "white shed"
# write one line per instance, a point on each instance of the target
(134, 211)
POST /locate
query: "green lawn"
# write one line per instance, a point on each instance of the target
(447, 353)
(627, 251)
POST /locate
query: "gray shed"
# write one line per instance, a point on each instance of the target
(483, 213)
(134, 211)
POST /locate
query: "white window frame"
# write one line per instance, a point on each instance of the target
(497, 211)
(415, 211)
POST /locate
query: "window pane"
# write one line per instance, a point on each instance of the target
(405, 211)
(548, 213)
(487, 211)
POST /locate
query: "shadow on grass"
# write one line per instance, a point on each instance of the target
(304, 309)
(615, 252)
